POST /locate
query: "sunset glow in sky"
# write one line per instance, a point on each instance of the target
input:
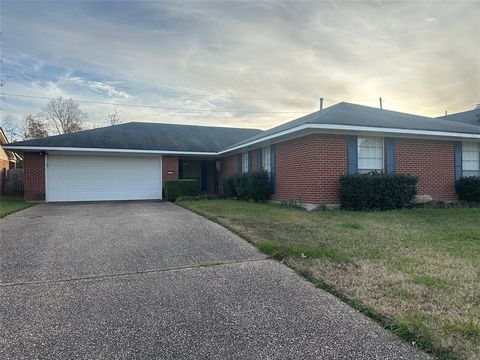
(244, 64)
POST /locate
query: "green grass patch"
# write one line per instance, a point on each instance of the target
(12, 203)
(429, 281)
(267, 247)
(411, 270)
(350, 225)
(470, 329)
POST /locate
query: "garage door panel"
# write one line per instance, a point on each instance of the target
(92, 178)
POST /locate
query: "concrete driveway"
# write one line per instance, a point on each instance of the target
(139, 280)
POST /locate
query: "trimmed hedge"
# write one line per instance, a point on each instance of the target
(247, 186)
(468, 188)
(177, 188)
(242, 185)
(259, 186)
(376, 191)
(229, 189)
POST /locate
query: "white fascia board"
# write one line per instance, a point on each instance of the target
(353, 128)
(102, 150)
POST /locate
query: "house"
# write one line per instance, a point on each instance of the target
(8, 159)
(468, 117)
(305, 157)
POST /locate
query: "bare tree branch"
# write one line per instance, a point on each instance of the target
(64, 116)
(114, 118)
(12, 127)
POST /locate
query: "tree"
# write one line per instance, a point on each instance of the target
(12, 127)
(34, 127)
(64, 116)
(114, 118)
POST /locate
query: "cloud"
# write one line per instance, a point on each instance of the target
(97, 86)
(166, 53)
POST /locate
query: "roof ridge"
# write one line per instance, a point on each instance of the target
(458, 113)
(194, 125)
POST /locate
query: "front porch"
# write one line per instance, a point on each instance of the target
(203, 170)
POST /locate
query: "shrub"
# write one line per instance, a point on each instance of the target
(229, 189)
(197, 198)
(259, 186)
(468, 188)
(291, 204)
(242, 186)
(178, 188)
(254, 186)
(376, 191)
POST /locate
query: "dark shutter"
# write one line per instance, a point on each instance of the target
(352, 154)
(272, 168)
(458, 160)
(239, 164)
(259, 159)
(390, 154)
(250, 157)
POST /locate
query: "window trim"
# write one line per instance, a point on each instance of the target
(266, 154)
(364, 170)
(471, 172)
(245, 162)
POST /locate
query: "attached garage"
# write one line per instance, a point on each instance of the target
(102, 177)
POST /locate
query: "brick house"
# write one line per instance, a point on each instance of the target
(8, 159)
(305, 157)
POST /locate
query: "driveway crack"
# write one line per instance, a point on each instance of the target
(130, 273)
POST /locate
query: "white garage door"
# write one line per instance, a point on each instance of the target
(95, 178)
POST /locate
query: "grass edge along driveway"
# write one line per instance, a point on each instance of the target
(416, 272)
(10, 204)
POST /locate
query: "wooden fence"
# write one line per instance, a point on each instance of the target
(11, 182)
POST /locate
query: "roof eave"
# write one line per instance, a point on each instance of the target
(25, 148)
(346, 129)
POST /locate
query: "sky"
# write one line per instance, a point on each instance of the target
(240, 64)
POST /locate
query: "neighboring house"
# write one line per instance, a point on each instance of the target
(468, 117)
(305, 157)
(8, 159)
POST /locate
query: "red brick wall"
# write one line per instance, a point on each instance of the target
(34, 176)
(228, 167)
(170, 164)
(308, 169)
(4, 164)
(432, 161)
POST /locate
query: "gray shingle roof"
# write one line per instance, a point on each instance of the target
(468, 117)
(148, 136)
(358, 115)
(190, 138)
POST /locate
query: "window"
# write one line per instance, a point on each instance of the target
(470, 159)
(266, 158)
(245, 162)
(370, 154)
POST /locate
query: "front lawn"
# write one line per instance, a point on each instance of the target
(12, 203)
(415, 271)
